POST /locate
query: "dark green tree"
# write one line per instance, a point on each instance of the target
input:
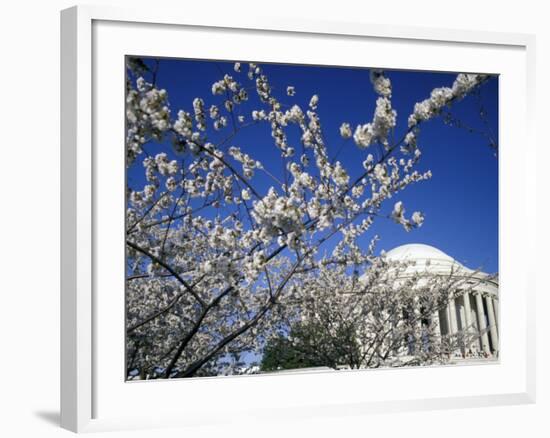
(280, 354)
(313, 344)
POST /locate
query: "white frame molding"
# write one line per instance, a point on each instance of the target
(77, 200)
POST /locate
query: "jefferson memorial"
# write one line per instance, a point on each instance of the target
(476, 311)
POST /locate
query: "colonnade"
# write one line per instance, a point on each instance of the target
(475, 314)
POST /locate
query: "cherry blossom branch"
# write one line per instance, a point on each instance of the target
(169, 269)
(195, 366)
(162, 311)
(187, 338)
(176, 217)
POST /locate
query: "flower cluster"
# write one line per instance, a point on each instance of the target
(398, 215)
(441, 97)
(224, 85)
(381, 84)
(345, 130)
(277, 216)
(385, 117)
(147, 116)
(248, 164)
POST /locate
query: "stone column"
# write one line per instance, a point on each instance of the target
(435, 337)
(460, 325)
(496, 307)
(437, 323)
(452, 316)
(492, 323)
(467, 321)
(481, 323)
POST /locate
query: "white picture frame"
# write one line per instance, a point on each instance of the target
(88, 397)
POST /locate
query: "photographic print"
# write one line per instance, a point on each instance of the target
(302, 218)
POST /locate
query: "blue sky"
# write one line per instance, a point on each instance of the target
(460, 202)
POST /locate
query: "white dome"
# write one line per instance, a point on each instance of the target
(425, 258)
(418, 251)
